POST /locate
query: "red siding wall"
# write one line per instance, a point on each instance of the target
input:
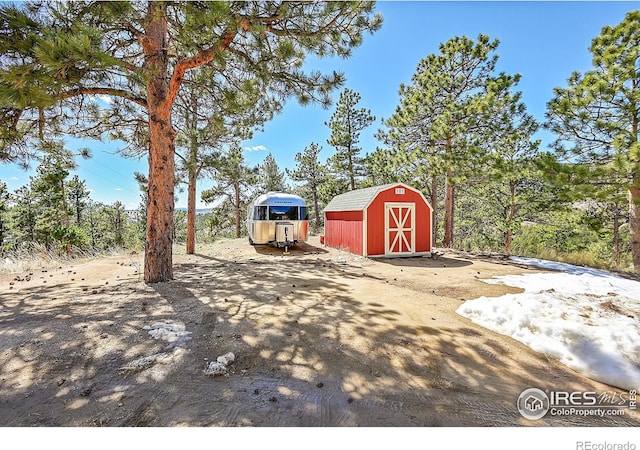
(343, 230)
(375, 220)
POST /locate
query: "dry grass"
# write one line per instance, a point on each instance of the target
(37, 256)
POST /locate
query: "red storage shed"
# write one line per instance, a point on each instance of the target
(381, 221)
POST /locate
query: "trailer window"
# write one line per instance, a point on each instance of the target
(260, 213)
(283, 213)
(304, 213)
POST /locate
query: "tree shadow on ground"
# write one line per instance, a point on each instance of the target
(309, 352)
(302, 248)
(425, 261)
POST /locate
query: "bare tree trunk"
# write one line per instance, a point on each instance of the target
(192, 167)
(634, 196)
(160, 205)
(448, 211)
(92, 225)
(434, 205)
(616, 236)
(237, 208)
(634, 222)
(66, 221)
(191, 212)
(316, 210)
(352, 179)
(512, 214)
(448, 202)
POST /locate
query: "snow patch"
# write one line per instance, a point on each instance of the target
(216, 368)
(145, 362)
(220, 365)
(175, 335)
(226, 359)
(587, 319)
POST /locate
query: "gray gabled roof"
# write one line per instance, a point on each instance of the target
(356, 200)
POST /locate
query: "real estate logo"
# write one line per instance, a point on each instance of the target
(533, 404)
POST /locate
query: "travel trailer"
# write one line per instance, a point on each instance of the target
(278, 219)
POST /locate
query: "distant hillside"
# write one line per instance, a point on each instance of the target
(132, 213)
(198, 210)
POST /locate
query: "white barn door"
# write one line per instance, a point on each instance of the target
(399, 228)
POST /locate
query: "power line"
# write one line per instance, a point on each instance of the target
(112, 182)
(109, 168)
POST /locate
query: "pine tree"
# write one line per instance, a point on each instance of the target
(208, 119)
(117, 222)
(56, 56)
(50, 188)
(4, 216)
(596, 116)
(232, 186)
(25, 214)
(78, 196)
(312, 174)
(272, 179)
(91, 223)
(41, 213)
(598, 189)
(513, 182)
(346, 124)
(448, 113)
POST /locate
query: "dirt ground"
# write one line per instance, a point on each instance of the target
(320, 337)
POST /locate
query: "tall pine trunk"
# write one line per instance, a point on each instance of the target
(160, 204)
(193, 172)
(237, 208)
(447, 241)
(191, 211)
(508, 240)
(634, 189)
(352, 178)
(616, 236)
(316, 210)
(434, 205)
(634, 221)
(66, 221)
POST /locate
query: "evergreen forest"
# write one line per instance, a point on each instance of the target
(460, 133)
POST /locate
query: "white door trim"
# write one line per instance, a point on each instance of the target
(398, 223)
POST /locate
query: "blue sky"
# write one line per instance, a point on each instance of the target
(543, 41)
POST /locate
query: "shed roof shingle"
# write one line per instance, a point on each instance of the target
(356, 200)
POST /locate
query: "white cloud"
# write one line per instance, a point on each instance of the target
(106, 98)
(118, 189)
(255, 148)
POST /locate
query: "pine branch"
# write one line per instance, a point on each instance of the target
(81, 91)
